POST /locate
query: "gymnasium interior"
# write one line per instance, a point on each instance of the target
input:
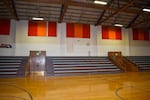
(74, 50)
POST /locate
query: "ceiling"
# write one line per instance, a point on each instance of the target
(126, 12)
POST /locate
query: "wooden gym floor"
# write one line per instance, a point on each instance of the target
(123, 86)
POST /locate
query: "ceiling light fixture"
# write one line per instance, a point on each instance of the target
(100, 2)
(147, 10)
(119, 25)
(37, 18)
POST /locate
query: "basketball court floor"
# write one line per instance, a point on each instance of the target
(123, 86)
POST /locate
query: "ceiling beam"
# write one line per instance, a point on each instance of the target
(134, 19)
(45, 1)
(119, 10)
(141, 22)
(100, 18)
(101, 7)
(63, 10)
(11, 7)
(81, 4)
(14, 10)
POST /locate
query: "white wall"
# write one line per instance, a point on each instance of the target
(25, 43)
(63, 46)
(105, 45)
(54, 46)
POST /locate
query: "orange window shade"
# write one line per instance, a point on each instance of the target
(140, 34)
(109, 32)
(4, 26)
(37, 28)
(78, 30)
(52, 29)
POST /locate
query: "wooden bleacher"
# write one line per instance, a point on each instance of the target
(61, 66)
(12, 66)
(122, 62)
(143, 62)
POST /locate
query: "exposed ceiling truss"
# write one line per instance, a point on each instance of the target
(126, 12)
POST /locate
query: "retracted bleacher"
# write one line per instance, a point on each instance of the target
(12, 66)
(143, 62)
(62, 66)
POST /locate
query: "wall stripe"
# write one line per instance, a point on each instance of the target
(41, 28)
(32, 29)
(78, 30)
(52, 29)
(70, 29)
(86, 31)
(109, 32)
(4, 26)
(118, 33)
(140, 34)
(105, 34)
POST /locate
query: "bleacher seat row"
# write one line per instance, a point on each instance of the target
(81, 65)
(143, 62)
(14, 66)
